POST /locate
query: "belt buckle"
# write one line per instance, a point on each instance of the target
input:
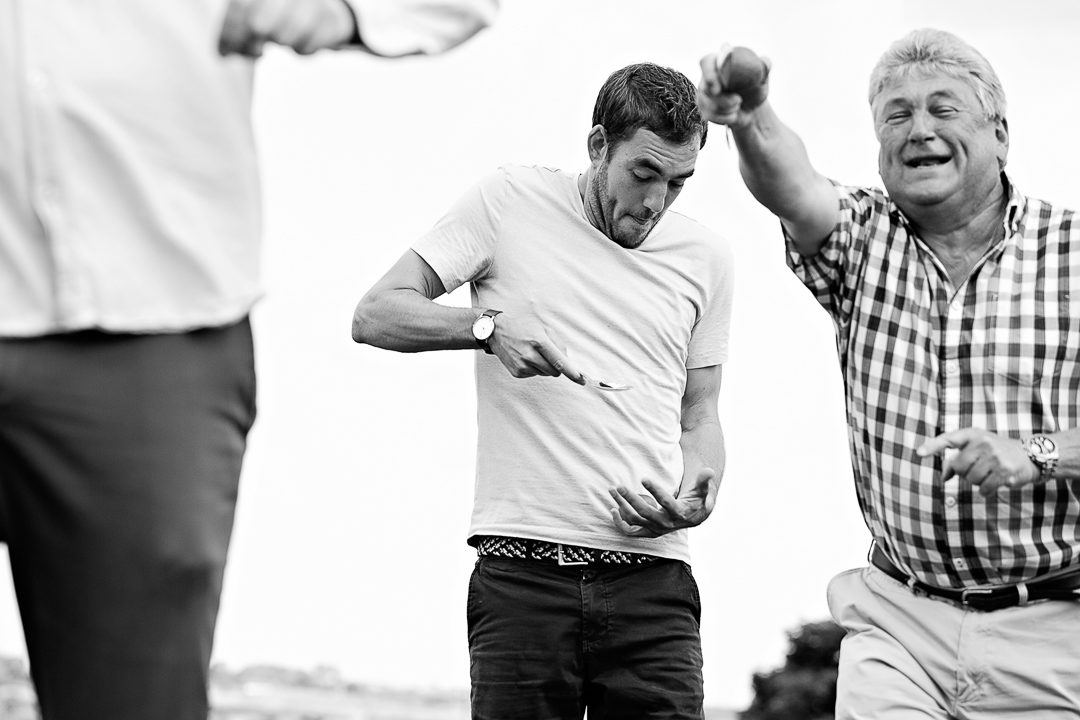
(568, 563)
(979, 593)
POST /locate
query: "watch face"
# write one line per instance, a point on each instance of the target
(483, 327)
(1043, 447)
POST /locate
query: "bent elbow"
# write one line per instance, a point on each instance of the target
(361, 324)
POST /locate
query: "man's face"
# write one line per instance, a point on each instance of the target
(635, 182)
(936, 144)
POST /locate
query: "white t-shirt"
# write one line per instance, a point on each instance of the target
(549, 449)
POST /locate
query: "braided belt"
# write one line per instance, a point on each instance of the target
(525, 549)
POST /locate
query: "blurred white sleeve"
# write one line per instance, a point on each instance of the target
(393, 28)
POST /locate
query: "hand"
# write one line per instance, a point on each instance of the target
(660, 512)
(721, 102)
(303, 25)
(984, 459)
(526, 348)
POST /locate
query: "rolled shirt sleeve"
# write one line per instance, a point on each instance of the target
(394, 28)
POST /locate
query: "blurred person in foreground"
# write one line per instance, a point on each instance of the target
(129, 233)
(582, 595)
(956, 302)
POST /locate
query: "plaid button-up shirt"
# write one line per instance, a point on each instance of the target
(921, 357)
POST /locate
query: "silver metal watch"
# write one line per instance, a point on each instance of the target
(1043, 451)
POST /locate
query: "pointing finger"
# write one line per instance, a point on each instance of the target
(562, 365)
(955, 439)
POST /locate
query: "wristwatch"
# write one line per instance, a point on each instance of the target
(1043, 451)
(483, 328)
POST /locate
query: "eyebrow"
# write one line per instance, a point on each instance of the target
(936, 95)
(650, 165)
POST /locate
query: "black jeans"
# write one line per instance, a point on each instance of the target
(621, 641)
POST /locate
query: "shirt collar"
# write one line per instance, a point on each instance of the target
(1014, 209)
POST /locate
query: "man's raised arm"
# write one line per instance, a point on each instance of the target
(390, 29)
(734, 92)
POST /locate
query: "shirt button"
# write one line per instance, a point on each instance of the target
(952, 366)
(959, 563)
(950, 501)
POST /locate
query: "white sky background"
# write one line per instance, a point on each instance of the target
(349, 547)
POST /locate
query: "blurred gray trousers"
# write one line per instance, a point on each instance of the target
(119, 463)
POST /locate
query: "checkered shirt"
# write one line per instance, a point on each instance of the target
(920, 358)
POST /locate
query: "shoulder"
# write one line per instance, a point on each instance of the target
(1038, 218)
(535, 176)
(865, 200)
(684, 231)
(1036, 213)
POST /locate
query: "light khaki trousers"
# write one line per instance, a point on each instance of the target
(909, 656)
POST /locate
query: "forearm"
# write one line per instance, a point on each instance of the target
(1068, 443)
(412, 27)
(702, 447)
(777, 171)
(404, 320)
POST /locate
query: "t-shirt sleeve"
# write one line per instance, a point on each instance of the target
(831, 275)
(461, 245)
(712, 332)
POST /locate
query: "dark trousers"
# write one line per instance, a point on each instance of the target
(621, 641)
(119, 463)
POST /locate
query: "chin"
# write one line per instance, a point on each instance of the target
(629, 241)
(631, 234)
(921, 192)
(926, 195)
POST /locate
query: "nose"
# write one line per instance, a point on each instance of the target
(923, 126)
(655, 198)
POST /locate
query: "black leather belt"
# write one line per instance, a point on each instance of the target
(1061, 587)
(527, 549)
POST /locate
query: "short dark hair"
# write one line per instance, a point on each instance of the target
(649, 96)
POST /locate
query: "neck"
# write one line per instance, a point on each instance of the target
(593, 213)
(948, 226)
(960, 244)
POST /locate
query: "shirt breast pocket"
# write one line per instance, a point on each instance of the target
(1034, 338)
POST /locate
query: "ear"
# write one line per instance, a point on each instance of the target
(1001, 131)
(598, 144)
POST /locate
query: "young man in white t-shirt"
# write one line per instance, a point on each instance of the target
(582, 596)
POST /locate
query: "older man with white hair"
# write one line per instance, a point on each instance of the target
(956, 304)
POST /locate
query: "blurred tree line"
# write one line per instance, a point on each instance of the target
(805, 687)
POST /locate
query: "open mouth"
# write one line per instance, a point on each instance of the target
(927, 161)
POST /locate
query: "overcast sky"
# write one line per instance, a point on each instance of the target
(349, 547)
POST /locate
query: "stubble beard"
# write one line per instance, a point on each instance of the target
(602, 208)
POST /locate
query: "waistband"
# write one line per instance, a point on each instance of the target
(1059, 587)
(542, 550)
